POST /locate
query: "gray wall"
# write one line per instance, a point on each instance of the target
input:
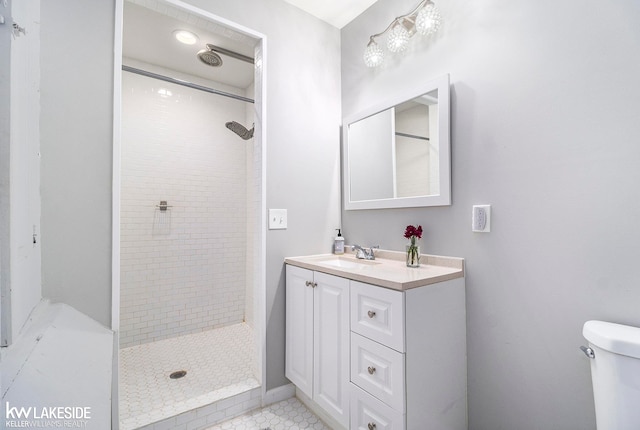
(76, 145)
(545, 108)
(303, 161)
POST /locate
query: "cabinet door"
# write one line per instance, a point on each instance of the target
(299, 328)
(331, 346)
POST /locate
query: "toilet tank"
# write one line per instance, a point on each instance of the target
(615, 373)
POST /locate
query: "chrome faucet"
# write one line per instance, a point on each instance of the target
(364, 253)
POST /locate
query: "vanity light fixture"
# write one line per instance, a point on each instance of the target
(186, 37)
(425, 19)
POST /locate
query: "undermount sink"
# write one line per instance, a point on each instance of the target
(347, 263)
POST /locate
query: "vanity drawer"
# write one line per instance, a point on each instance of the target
(378, 370)
(378, 313)
(369, 413)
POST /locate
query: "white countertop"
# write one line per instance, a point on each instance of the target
(388, 270)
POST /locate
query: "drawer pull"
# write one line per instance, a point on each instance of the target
(371, 314)
(371, 370)
(311, 284)
(371, 426)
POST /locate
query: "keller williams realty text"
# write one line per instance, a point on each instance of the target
(47, 413)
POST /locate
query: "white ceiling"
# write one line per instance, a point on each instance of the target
(336, 12)
(148, 37)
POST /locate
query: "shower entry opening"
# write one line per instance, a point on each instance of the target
(191, 234)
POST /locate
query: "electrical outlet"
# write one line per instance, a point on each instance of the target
(277, 219)
(481, 219)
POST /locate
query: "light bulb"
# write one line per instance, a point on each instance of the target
(398, 39)
(186, 37)
(373, 55)
(428, 19)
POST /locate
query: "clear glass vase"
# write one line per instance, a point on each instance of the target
(413, 255)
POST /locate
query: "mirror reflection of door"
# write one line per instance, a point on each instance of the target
(371, 157)
(416, 147)
(395, 153)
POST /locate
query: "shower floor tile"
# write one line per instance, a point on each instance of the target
(288, 414)
(219, 364)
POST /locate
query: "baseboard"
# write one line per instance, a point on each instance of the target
(278, 394)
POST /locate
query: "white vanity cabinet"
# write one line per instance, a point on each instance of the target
(408, 357)
(317, 338)
(377, 345)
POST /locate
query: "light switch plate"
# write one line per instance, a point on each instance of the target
(277, 219)
(481, 219)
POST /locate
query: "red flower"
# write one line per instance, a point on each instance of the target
(413, 231)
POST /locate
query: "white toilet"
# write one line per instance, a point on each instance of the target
(615, 372)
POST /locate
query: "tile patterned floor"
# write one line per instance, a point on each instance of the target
(219, 364)
(288, 414)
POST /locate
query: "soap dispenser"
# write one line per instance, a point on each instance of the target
(338, 244)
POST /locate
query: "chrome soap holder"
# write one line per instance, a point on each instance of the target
(163, 206)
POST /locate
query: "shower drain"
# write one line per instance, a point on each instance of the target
(178, 374)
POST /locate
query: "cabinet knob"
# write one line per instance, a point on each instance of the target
(371, 314)
(311, 284)
(371, 370)
(371, 426)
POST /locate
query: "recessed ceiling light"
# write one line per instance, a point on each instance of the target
(186, 37)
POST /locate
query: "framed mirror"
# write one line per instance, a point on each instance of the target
(397, 154)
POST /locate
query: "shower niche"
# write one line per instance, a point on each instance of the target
(190, 199)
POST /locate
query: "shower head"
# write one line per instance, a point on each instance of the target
(210, 58)
(240, 130)
(211, 55)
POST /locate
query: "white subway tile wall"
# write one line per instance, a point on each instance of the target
(254, 194)
(183, 270)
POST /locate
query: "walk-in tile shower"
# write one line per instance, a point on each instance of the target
(188, 233)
